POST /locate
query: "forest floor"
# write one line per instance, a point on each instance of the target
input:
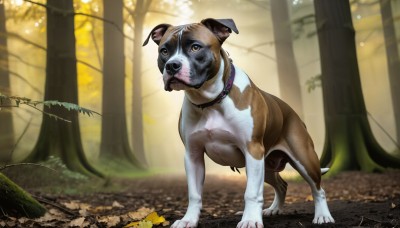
(355, 199)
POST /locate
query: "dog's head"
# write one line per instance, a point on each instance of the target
(189, 55)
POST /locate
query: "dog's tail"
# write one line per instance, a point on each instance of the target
(324, 170)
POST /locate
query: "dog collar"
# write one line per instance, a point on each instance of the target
(224, 92)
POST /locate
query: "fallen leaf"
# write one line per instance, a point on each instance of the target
(141, 224)
(117, 205)
(47, 217)
(23, 220)
(11, 224)
(77, 222)
(309, 198)
(154, 218)
(73, 205)
(76, 205)
(140, 214)
(151, 219)
(110, 220)
(100, 209)
(83, 212)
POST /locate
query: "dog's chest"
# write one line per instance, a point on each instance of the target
(223, 133)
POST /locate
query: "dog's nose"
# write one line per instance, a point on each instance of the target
(173, 67)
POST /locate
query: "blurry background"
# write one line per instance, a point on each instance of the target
(253, 50)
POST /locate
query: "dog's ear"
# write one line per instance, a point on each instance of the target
(157, 33)
(220, 27)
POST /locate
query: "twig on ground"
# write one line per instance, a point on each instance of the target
(370, 219)
(56, 205)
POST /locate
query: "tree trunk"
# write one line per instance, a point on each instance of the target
(16, 202)
(137, 107)
(393, 60)
(114, 133)
(289, 82)
(60, 138)
(349, 143)
(6, 120)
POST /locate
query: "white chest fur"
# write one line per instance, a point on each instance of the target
(221, 131)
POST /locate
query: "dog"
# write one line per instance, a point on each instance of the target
(226, 116)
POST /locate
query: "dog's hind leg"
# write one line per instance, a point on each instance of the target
(306, 162)
(322, 213)
(280, 188)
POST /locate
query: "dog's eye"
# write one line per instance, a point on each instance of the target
(195, 47)
(164, 52)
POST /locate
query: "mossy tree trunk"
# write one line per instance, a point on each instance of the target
(289, 81)
(114, 132)
(14, 201)
(60, 138)
(349, 142)
(6, 120)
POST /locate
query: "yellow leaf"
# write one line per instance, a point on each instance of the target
(145, 224)
(141, 224)
(154, 218)
(151, 219)
(132, 224)
(309, 198)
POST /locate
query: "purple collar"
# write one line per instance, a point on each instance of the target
(224, 92)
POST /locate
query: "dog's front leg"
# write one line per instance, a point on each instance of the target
(194, 166)
(252, 215)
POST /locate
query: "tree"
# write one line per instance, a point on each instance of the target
(349, 142)
(14, 200)
(59, 138)
(6, 120)
(393, 61)
(138, 15)
(114, 134)
(289, 82)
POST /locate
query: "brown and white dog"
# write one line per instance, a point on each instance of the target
(231, 120)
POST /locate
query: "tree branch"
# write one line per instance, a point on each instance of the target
(24, 80)
(2, 49)
(19, 37)
(96, 46)
(73, 13)
(251, 49)
(89, 65)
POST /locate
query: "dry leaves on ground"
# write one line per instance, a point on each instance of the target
(77, 214)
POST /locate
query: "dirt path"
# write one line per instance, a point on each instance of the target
(354, 198)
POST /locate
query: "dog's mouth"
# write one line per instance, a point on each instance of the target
(175, 83)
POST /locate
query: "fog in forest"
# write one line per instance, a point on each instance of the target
(253, 50)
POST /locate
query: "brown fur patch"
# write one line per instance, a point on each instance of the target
(251, 97)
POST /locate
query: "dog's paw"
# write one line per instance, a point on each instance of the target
(250, 224)
(323, 219)
(272, 211)
(184, 224)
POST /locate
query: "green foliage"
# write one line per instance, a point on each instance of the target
(313, 83)
(15, 101)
